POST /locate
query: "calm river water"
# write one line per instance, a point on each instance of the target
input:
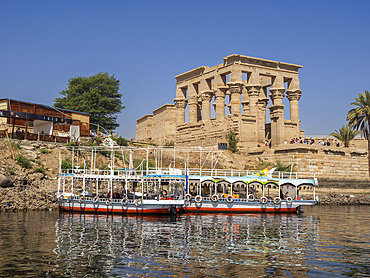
(325, 241)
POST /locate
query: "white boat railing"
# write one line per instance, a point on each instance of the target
(190, 172)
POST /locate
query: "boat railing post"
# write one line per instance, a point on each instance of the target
(83, 186)
(58, 186)
(296, 192)
(72, 187)
(97, 187)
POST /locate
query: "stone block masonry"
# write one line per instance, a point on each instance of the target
(333, 166)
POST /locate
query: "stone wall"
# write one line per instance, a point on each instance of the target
(202, 133)
(159, 127)
(164, 123)
(144, 128)
(334, 165)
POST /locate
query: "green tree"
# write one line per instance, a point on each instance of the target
(359, 118)
(345, 134)
(232, 141)
(97, 94)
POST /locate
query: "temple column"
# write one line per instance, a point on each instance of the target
(220, 102)
(253, 88)
(235, 90)
(253, 93)
(261, 119)
(277, 111)
(294, 94)
(206, 105)
(180, 105)
(294, 106)
(245, 100)
(199, 110)
(193, 103)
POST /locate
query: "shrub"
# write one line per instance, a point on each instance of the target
(16, 146)
(91, 143)
(232, 141)
(24, 162)
(121, 141)
(72, 144)
(98, 140)
(282, 167)
(10, 171)
(45, 151)
(39, 170)
(66, 164)
(169, 144)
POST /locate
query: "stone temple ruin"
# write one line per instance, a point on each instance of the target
(242, 85)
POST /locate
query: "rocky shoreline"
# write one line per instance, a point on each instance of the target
(28, 193)
(344, 199)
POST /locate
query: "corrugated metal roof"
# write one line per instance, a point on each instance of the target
(45, 105)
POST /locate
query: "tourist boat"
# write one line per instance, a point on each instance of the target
(83, 187)
(250, 193)
(142, 190)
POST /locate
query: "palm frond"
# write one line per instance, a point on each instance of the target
(359, 118)
(345, 134)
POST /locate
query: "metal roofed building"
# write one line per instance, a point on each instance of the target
(33, 121)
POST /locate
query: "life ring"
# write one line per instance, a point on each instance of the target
(138, 202)
(81, 200)
(187, 203)
(124, 201)
(250, 197)
(289, 200)
(277, 200)
(229, 199)
(164, 192)
(214, 198)
(69, 199)
(263, 200)
(198, 199)
(188, 197)
(95, 200)
(108, 202)
(60, 198)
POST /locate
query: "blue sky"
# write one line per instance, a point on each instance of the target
(146, 43)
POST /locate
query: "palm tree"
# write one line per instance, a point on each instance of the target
(345, 134)
(359, 118)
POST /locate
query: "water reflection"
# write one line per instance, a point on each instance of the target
(223, 245)
(324, 242)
